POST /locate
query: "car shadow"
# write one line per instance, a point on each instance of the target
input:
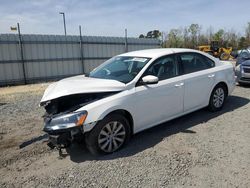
(151, 137)
(244, 85)
(43, 137)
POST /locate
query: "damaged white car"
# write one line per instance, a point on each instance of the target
(132, 92)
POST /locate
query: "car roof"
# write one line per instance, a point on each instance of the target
(154, 53)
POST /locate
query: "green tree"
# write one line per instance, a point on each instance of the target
(202, 39)
(192, 36)
(242, 43)
(186, 38)
(194, 30)
(154, 34)
(174, 38)
(248, 34)
(219, 35)
(210, 33)
(151, 34)
(230, 39)
(141, 36)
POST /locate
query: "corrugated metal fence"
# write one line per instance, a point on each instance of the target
(48, 57)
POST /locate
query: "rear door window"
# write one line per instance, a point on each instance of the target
(193, 62)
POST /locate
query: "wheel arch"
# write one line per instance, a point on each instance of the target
(211, 107)
(222, 83)
(127, 115)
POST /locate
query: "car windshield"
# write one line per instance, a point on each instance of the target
(120, 68)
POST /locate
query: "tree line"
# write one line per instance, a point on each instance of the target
(193, 36)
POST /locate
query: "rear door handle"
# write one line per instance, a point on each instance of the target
(179, 85)
(211, 76)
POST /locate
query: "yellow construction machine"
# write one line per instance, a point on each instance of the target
(214, 49)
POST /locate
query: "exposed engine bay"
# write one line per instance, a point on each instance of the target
(71, 102)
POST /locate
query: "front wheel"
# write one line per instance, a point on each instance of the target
(108, 135)
(217, 98)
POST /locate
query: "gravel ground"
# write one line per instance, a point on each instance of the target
(201, 149)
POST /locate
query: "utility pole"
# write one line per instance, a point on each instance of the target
(64, 24)
(21, 52)
(126, 41)
(162, 39)
(81, 48)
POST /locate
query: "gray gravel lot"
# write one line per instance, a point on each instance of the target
(201, 149)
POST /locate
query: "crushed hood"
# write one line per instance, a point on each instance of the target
(80, 84)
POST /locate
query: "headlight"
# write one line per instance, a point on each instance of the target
(66, 121)
(237, 68)
(242, 70)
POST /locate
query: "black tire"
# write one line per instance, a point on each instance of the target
(93, 137)
(214, 105)
(241, 84)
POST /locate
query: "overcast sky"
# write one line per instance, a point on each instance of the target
(111, 17)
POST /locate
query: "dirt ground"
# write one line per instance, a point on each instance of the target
(202, 149)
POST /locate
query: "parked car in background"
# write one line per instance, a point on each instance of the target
(132, 92)
(242, 70)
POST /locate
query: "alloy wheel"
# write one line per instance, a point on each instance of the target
(112, 136)
(218, 97)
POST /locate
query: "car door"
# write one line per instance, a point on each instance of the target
(198, 75)
(158, 102)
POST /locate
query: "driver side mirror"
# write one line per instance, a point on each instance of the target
(150, 79)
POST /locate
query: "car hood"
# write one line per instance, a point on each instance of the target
(246, 63)
(79, 85)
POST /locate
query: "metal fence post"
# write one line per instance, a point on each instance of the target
(81, 48)
(162, 40)
(126, 41)
(21, 51)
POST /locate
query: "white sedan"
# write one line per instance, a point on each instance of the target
(132, 92)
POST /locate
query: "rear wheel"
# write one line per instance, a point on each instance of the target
(217, 98)
(108, 135)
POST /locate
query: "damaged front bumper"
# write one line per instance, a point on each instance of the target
(63, 129)
(243, 73)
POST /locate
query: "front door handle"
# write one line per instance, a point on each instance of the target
(211, 76)
(179, 85)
